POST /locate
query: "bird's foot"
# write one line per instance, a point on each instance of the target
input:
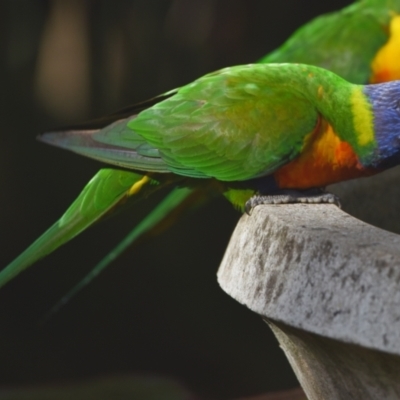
(311, 196)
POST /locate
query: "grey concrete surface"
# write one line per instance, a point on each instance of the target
(329, 285)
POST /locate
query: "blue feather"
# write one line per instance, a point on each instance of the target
(385, 101)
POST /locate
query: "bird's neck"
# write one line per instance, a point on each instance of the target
(344, 106)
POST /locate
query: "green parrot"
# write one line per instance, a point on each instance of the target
(230, 132)
(361, 43)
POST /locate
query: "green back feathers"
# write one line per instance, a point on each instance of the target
(345, 42)
(233, 125)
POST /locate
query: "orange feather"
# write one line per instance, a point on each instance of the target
(325, 159)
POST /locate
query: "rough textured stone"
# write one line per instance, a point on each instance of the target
(321, 272)
(333, 370)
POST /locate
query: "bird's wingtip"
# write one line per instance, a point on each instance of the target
(67, 139)
(47, 137)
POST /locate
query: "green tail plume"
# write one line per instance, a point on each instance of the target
(156, 216)
(107, 188)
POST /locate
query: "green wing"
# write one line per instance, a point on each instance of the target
(232, 125)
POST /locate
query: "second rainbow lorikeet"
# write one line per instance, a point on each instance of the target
(237, 132)
(361, 42)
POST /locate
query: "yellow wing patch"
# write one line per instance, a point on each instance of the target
(137, 186)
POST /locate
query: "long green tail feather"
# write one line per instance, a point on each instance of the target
(106, 189)
(167, 205)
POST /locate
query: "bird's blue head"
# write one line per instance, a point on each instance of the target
(385, 102)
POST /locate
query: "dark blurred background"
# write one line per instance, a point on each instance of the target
(158, 310)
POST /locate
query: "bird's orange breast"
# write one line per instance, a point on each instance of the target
(325, 159)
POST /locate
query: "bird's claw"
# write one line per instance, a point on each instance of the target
(313, 196)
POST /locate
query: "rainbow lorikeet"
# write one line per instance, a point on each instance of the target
(248, 130)
(361, 42)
